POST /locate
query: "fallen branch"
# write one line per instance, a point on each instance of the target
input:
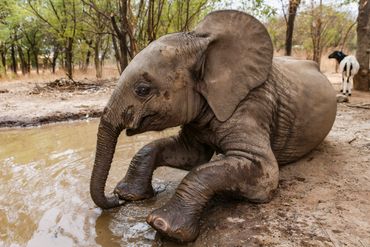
(362, 106)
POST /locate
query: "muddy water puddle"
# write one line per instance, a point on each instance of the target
(44, 189)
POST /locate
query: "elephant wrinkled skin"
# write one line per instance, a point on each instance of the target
(222, 86)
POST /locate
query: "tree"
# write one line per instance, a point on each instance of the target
(292, 12)
(335, 31)
(5, 12)
(63, 18)
(123, 41)
(96, 32)
(361, 80)
(32, 38)
(134, 24)
(324, 24)
(316, 31)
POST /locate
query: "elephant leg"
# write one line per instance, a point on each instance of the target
(179, 152)
(254, 180)
(136, 185)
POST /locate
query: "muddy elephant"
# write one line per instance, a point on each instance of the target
(221, 84)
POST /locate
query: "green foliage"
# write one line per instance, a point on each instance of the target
(334, 27)
(258, 8)
(175, 16)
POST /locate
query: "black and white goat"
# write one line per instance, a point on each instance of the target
(348, 66)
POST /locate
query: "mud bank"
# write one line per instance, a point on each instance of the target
(26, 104)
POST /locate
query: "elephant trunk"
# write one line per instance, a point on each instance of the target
(105, 148)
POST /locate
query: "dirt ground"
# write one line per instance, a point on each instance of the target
(323, 199)
(29, 103)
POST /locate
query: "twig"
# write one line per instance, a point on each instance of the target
(352, 140)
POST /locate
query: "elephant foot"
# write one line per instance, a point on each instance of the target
(173, 223)
(132, 192)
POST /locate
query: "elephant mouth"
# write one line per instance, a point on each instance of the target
(143, 124)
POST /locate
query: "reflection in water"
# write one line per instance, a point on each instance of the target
(44, 189)
(104, 236)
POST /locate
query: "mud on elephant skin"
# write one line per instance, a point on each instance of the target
(221, 84)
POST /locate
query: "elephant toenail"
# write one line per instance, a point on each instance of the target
(160, 224)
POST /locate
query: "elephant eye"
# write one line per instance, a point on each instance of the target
(142, 89)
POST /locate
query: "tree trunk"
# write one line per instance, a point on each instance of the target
(150, 21)
(36, 57)
(121, 32)
(54, 60)
(97, 62)
(88, 55)
(87, 61)
(361, 80)
(45, 64)
(117, 54)
(29, 61)
(14, 61)
(316, 32)
(123, 41)
(69, 58)
(293, 6)
(3, 59)
(316, 41)
(22, 60)
(121, 48)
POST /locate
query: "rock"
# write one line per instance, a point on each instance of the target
(235, 220)
(342, 98)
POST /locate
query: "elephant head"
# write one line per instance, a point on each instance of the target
(228, 54)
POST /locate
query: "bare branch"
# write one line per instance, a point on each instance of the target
(283, 9)
(54, 10)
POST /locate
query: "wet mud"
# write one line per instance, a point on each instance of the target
(44, 189)
(323, 200)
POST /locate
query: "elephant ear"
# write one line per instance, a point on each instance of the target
(237, 59)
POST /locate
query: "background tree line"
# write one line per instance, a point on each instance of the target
(70, 34)
(75, 32)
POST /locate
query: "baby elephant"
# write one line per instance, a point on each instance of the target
(221, 84)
